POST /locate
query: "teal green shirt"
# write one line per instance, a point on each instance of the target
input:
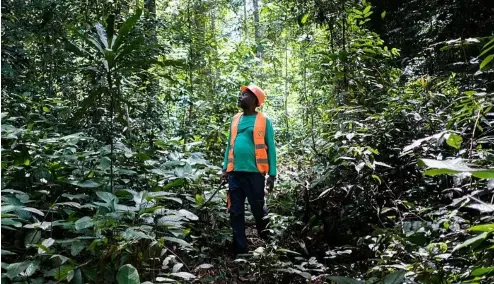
(244, 154)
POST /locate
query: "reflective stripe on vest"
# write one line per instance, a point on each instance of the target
(260, 146)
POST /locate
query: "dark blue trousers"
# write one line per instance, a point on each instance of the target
(242, 185)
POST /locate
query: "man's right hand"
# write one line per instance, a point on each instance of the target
(224, 177)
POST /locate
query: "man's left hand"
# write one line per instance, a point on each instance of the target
(270, 183)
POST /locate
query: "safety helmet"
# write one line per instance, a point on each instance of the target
(256, 91)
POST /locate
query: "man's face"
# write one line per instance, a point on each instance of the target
(246, 100)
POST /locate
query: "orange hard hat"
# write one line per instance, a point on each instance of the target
(257, 91)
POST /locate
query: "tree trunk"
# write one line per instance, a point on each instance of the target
(257, 27)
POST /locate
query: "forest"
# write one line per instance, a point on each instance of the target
(115, 117)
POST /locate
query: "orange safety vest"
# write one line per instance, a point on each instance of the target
(259, 143)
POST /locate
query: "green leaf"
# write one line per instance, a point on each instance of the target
(32, 238)
(486, 61)
(454, 140)
(482, 228)
(132, 234)
(204, 266)
(176, 199)
(472, 241)
(46, 109)
(45, 244)
(105, 163)
(178, 241)
(366, 10)
(32, 268)
(8, 208)
(102, 35)
(110, 29)
(76, 247)
(453, 167)
(486, 50)
(288, 251)
(10, 222)
(62, 259)
(489, 43)
(396, 277)
(92, 41)
(7, 252)
(86, 184)
(33, 210)
(377, 178)
(383, 14)
(189, 215)
(344, 280)
(84, 223)
(164, 279)
(127, 274)
(176, 183)
(78, 277)
(481, 271)
(70, 275)
(107, 197)
(60, 273)
(482, 207)
(73, 48)
(126, 27)
(14, 269)
(418, 142)
(184, 275)
(304, 18)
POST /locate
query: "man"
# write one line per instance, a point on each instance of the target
(250, 155)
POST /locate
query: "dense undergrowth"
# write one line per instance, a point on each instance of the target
(114, 122)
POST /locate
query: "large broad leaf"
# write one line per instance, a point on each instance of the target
(184, 275)
(78, 277)
(102, 35)
(10, 222)
(70, 46)
(164, 279)
(204, 266)
(482, 228)
(472, 241)
(178, 241)
(189, 215)
(84, 223)
(9, 208)
(86, 184)
(106, 196)
(396, 277)
(481, 271)
(125, 28)
(32, 268)
(105, 163)
(76, 247)
(344, 280)
(132, 234)
(453, 167)
(482, 207)
(418, 142)
(127, 274)
(15, 269)
(110, 29)
(7, 252)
